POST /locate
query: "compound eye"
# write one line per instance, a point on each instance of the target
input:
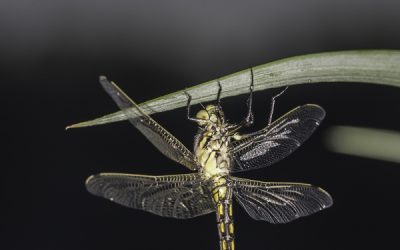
(202, 114)
(210, 107)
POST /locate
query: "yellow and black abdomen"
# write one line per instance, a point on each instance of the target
(222, 196)
(211, 151)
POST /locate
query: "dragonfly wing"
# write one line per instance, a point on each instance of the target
(154, 132)
(275, 142)
(279, 202)
(176, 196)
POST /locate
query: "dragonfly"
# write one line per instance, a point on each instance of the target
(219, 151)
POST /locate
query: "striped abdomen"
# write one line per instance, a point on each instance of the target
(222, 196)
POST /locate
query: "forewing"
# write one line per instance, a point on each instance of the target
(277, 141)
(277, 202)
(154, 132)
(177, 196)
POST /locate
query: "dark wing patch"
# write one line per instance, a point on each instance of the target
(280, 139)
(154, 132)
(277, 202)
(177, 196)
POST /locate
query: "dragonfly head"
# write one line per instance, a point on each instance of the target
(211, 115)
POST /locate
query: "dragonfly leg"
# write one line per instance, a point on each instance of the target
(273, 105)
(250, 117)
(188, 108)
(219, 95)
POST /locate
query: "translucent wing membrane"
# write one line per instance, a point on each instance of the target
(277, 202)
(275, 142)
(177, 196)
(154, 132)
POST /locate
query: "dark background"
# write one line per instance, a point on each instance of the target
(51, 53)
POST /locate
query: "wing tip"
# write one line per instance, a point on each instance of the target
(90, 178)
(102, 78)
(105, 83)
(328, 201)
(316, 108)
(90, 184)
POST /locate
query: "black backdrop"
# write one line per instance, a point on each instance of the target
(51, 53)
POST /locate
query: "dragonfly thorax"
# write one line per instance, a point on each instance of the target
(211, 144)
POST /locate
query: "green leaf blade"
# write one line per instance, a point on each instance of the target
(364, 66)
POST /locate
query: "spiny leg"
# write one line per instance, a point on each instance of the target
(273, 105)
(250, 117)
(188, 108)
(219, 95)
(219, 107)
